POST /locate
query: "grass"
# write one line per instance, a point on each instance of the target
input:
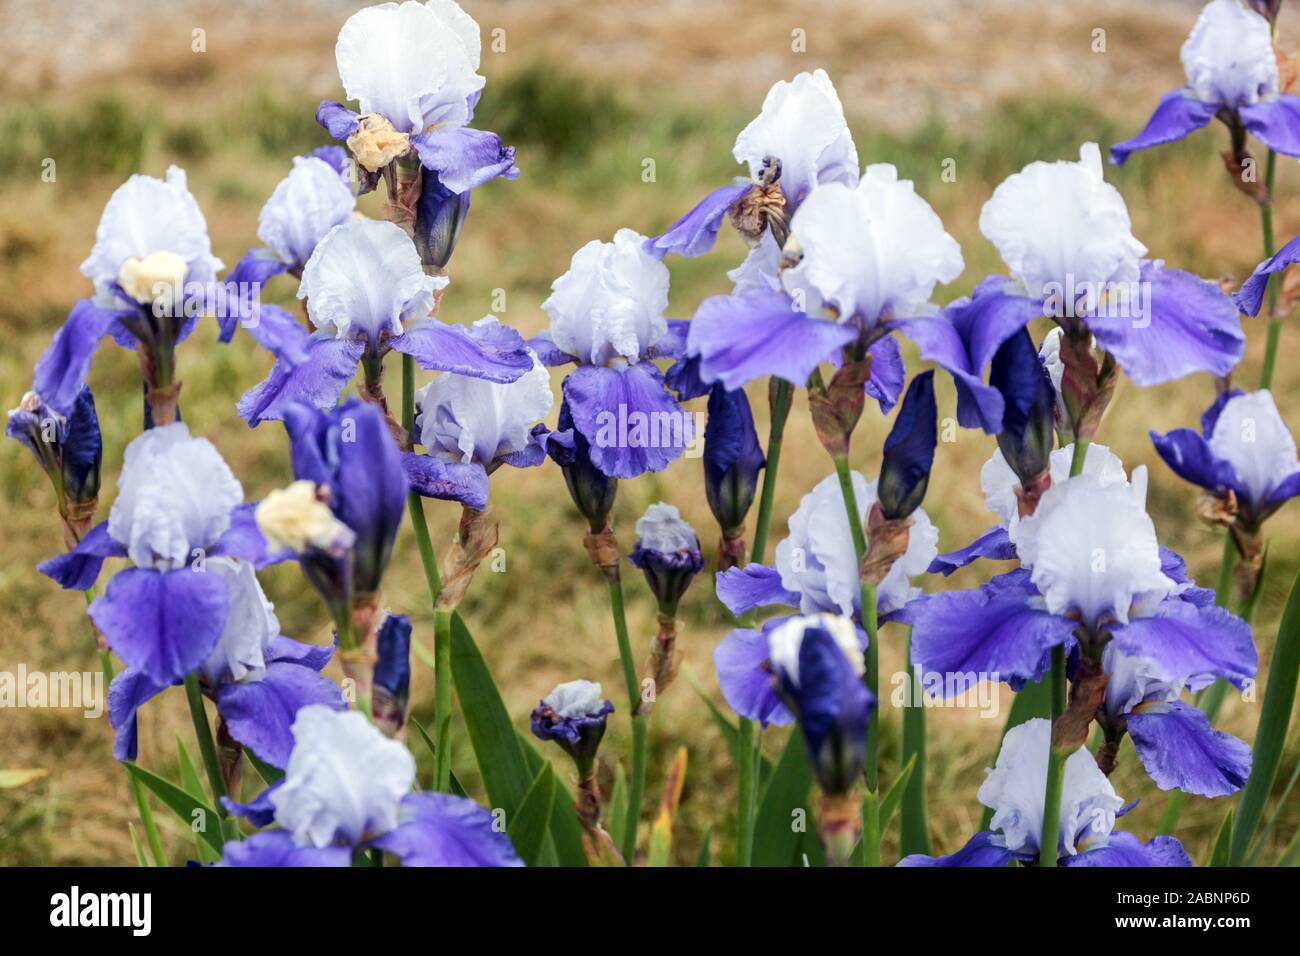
(583, 148)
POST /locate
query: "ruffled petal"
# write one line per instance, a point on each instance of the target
(755, 585)
(61, 370)
(627, 416)
(162, 623)
(78, 569)
(985, 848)
(492, 351)
(318, 381)
(276, 848)
(260, 712)
(1182, 751)
(695, 233)
(1186, 640)
(994, 544)
(1275, 123)
(1124, 849)
(888, 373)
(129, 691)
(1191, 459)
(743, 338)
(434, 477)
(1184, 324)
(1250, 297)
(464, 158)
(745, 676)
(1177, 114)
(438, 829)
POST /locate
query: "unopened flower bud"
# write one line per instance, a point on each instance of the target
(732, 458)
(592, 491)
(1029, 401)
(909, 450)
(391, 683)
(573, 715)
(439, 215)
(668, 553)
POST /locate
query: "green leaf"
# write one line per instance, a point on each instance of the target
(894, 795)
(914, 827)
(10, 779)
(1291, 855)
(181, 804)
(706, 848)
(491, 732)
(1034, 700)
(270, 775)
(527, 828)
(776, 839)
(725, 727)
(139, 847)
(1222, 842)
(1270, 736)
(192, 783)
(565, 831)
(457, 787)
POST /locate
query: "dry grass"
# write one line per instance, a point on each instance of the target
(993, 91)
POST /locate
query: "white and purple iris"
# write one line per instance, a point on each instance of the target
(1094, 577)
(607, 317)
(860, 258)
(367, 294)
(816, 567)
(413, 70)
(348, 787)
(1014, 790)
(151, 265)
(1232, 73)
(574, 716)
(178, 509)
(1064, 234)
(258, 678)
(469, 427)
(799, 140)
(807, 668)
(1244, 455)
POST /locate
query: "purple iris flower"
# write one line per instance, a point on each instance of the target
(352, 459)
(323, 816)
(315, 197)
(1232, 73)
(1089, 808)
(574, 716)
(178, 509)
(367, 294)
(817, 670)
(153, 271)
(412, 68)
(860, 258)
(1250, 297)
(798, 140)
(1244, 455)
(469, 427)
(816, 567)
(1065, 235)
(391, 689)
(607, 317)
(667, 551)
(1092, 575)
(258, 678)
(1174, 740)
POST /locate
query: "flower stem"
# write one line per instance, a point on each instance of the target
(636, 786)
(781, 400)
(441, 619)
(745, 792)
(1274, 324)
(207, 747)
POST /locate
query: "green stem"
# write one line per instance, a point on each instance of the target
(914, 828)
(1049, 840)
(745, 793)
(442, 700)
(636, 786)
(781, 402)
(1271, 287)
(207, 747)
(146, 820)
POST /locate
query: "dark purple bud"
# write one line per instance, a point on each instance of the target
(818, 670)
(573, 715)
(37, 426)
(352, 454)
(732, 457)
(439, 216)
(83, 450)
(1029, 402)
(909, 450)
(667, 550)
(592, 491)
(392, 678)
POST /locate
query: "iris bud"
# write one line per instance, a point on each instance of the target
(668, 553)
(732, 458)
(392, 678)
(573, 715)
(439, 215)
(1029, 402)
(590, 488)
(909, 451)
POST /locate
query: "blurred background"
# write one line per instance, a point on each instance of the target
(586, 93)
